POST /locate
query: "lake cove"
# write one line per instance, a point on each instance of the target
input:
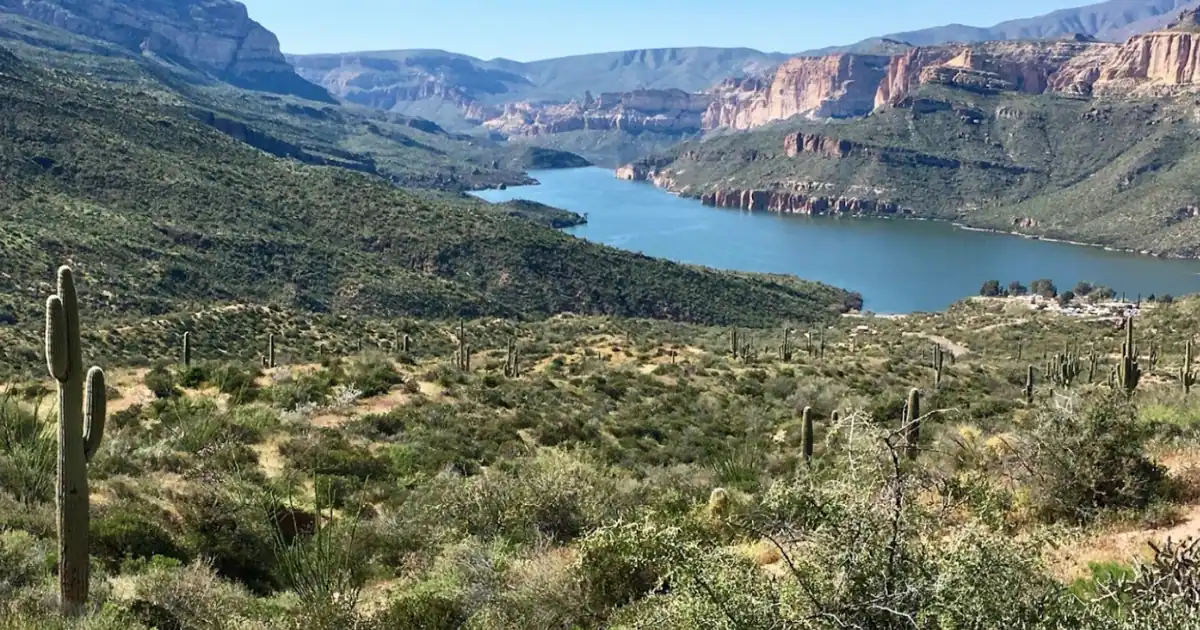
(899, 266)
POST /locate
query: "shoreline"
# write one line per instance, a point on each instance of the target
(956, 223)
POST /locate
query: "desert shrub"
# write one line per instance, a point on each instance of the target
(373, 375)
(330, 453)
(119, 535)
(553, 495)
(427, 606)
(295, 391)
(1088, 460)
(232, 534)
(237, 380)
(24, 561)
(161, 382)
(194, 376)
(28, 453)
(191, 597)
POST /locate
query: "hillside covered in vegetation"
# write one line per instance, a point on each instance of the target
(600, 472)
(160, 211)
(1117, 172)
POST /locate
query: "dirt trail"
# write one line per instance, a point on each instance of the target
(958, 350)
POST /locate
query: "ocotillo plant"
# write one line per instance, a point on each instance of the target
(271, 351)
(80, 429)
(1128, 371)
(807, 433)
(187, 349)
(912, 423)
(1029, 386)
(785, 351)
(1187, 378)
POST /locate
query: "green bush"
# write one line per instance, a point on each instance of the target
(161, 382)
(1085, 462)
(119, 535)
(28, 453)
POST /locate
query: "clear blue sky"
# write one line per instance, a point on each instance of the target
(525, 30)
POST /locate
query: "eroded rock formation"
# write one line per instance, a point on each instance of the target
(788, 202)
(662, 111)
(214, 36)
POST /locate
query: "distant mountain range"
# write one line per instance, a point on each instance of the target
(1115, 20)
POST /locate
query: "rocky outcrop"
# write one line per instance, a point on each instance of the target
(835, 86)
(216, 37)
(1162, 59)
(787, 202)
(662, 111)
(796, 143)
(1068, 66)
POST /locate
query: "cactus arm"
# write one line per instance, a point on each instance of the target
(95, 409)
(58, 360)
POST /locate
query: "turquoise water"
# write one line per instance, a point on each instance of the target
(899, 266)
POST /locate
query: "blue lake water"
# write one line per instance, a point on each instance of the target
(899, 266)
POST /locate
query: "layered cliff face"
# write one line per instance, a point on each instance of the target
(216, 37)
(1028, 67)
(661, 111)
(835, 86)
(1157, 61)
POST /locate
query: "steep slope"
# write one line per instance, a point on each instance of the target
(159, 211)
(407, 151)
(1114, 20)
(212, 36)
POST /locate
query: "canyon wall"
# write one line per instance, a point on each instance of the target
(662, 111)
(216, 37)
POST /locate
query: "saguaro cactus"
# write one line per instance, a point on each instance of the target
(939, 364)
(1187, 378)
(734, 346)
(405, 344)
(512, 366)
(785, 351)
(912, 423)
(1029, 386)
(807, 433)
(187, 349)
(80, 428)
(271, 351)
(1128, 371)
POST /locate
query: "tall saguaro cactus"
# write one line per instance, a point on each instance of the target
(939, 365)
(1128, 372)
(785, 351)
(80, 428)
(807, 433)
(271, 351)
(1187, 377)
(1029, 386)
(912, 423)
